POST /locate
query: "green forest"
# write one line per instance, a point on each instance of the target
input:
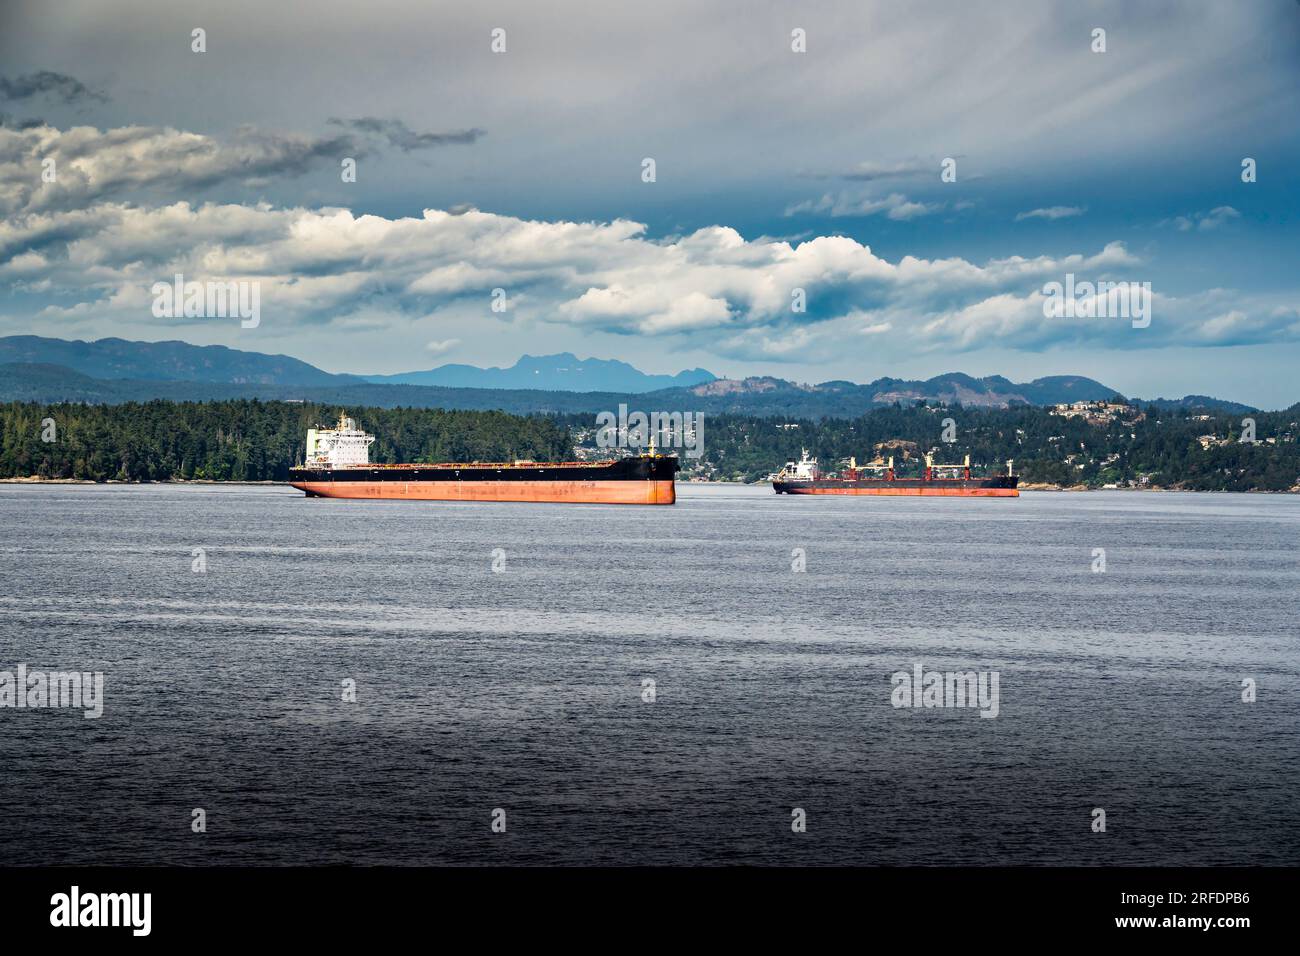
(252, 440)
(246, 440)
(1146, 447)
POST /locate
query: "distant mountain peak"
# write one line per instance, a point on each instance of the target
(563, 372)
(743, 386)
(992, 391)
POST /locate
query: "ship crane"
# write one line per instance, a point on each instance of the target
(933, 471)
(885, 468)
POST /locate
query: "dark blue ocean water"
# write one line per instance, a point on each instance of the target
(522, 689)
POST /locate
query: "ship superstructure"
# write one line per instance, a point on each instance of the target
(343, 446)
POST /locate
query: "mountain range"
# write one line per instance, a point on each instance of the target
(38, 369)
(179, 361)
(564, 372)
(165, 361)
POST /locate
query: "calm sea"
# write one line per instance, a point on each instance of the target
(526, 688)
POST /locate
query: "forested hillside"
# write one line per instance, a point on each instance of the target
(246, 440)
(253, 440)
(1146, 446)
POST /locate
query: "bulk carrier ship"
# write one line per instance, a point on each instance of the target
(338, 465)
(803, 477)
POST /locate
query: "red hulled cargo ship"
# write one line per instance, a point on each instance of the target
(338, 466)
(803, 477)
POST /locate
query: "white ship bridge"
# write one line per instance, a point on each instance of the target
(343, 446)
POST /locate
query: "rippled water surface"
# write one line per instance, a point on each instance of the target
(523, 689)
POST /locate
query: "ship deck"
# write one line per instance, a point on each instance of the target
(464, 465)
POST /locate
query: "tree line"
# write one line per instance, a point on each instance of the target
(247, 439)
(1143, 446)
(253, 440)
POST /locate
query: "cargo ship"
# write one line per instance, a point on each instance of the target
(803, 477)
(338, 465)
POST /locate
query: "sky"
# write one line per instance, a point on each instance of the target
(839, 191)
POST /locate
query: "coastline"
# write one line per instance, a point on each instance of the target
(35, 480)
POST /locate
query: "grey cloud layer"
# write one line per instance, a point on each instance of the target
(401, 136)
(59, 86)
(708, 88)
(92, 164)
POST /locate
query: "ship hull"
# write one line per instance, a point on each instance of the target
(585, 492)
(1003, 486)
(629, 481)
